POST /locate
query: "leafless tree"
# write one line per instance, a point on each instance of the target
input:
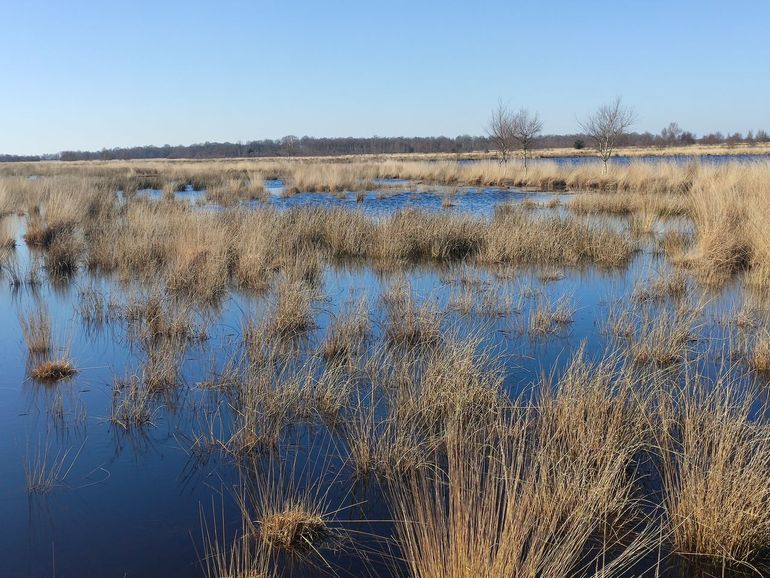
(500, 131)
(672, 133)
(525, 127)
(606, 126)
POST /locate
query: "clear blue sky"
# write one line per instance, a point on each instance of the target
(87, 75)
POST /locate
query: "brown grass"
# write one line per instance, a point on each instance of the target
(347, 332)
(53, 370)
(759, 358)
(36, 329)
(409, 323)
(292, 314)
(502, 508)
(715, 472)
(292, 528)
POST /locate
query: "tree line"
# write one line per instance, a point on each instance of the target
(290, 146)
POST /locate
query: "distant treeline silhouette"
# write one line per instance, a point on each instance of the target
(291, 146)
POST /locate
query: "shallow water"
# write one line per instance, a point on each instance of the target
(130, 503)
(398, 195)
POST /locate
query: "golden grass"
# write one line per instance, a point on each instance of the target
(666, 284)
(131, 403)
(546, 317)
(292, 528)
(292, 313)
(501, 508)
(36, 329)
(759, 358)
(409, 323)
(347, 332)
(715, 473)
(52, 370)
(512, 237)
(235, 557)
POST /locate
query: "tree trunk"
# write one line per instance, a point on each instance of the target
(525, 163)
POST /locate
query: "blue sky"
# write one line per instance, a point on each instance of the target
(87, 75)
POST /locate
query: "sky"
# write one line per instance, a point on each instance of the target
(80, 75)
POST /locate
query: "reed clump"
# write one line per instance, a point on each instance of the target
(36, 329)
(53, 370)
(348, 332)
(512, 237)
(716, 476)
(409, 323)
(292, 313)
(759, 358)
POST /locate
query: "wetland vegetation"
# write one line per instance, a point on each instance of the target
(385, 367)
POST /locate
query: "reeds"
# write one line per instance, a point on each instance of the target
(501, 510)
(53, 370)
(292, 314)
(131, 403)
(36, 329)
(44, 471)
(715, 473)
(347, 332)
(409, 323)
(546, 317)
(759, 357)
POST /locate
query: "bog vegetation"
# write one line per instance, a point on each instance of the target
(649, 460)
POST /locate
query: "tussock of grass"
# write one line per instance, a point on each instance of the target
(715, 473)
(665, 337)
(502, 509)
(292, 313)
(759, 358)
(36, 329)
(513, 237)
(547, 318)
(347, 332)
(53, 370)
(407, 322)
(671, 284)
(293, 528)
(131, 403)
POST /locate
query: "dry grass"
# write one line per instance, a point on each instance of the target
(52, 370)
(36, 329)
(759, 358)
(667, 284)
(502, 508)
(287, 509)
(715, 473)
(512, 237)
(292, 528)
(131, 403)
(665, 337)
(409, 323)
(235, 557)
(347, 332)
(45, 471)
(292, 314)
(546, 317)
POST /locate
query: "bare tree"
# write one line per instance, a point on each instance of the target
(672, 133)
(525, 127)
(606, 126)
(499, 130)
